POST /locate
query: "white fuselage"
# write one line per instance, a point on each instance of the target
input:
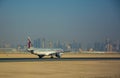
(45, 51)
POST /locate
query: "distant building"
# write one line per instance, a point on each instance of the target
(75, 46)
(68, 47)
(109, 48)
(116, 46)
(43, 43)
(50, 44)
(108, 45)
(99, 46)
(37, 43)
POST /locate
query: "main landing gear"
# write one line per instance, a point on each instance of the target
(40, 56)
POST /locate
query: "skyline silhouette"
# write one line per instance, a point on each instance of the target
(86, 21)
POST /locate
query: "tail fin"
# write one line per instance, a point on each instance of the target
(29, 43)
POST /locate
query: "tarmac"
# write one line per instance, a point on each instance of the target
(70, 65)
(56, 59)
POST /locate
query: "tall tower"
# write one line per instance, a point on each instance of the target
(50, 44)
(37, 43)
(117, 45)
(108, 45)
(43, 43)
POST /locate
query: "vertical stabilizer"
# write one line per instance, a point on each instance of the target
(29, 43)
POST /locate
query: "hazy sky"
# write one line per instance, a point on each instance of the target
(82, 20)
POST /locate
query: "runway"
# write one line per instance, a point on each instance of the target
(56, 59)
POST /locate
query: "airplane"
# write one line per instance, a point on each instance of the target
(41, 52)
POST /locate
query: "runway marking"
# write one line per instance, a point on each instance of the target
(55, 59)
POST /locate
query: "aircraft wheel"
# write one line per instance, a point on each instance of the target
(51, 56)
(40, 56)
(58, 55)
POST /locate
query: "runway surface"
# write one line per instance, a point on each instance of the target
(55, 59)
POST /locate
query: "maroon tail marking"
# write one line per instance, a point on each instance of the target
(29, 43)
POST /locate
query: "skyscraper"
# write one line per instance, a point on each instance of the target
(37, 43)
(43, 43)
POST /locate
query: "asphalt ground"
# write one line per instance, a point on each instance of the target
(56, 59)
